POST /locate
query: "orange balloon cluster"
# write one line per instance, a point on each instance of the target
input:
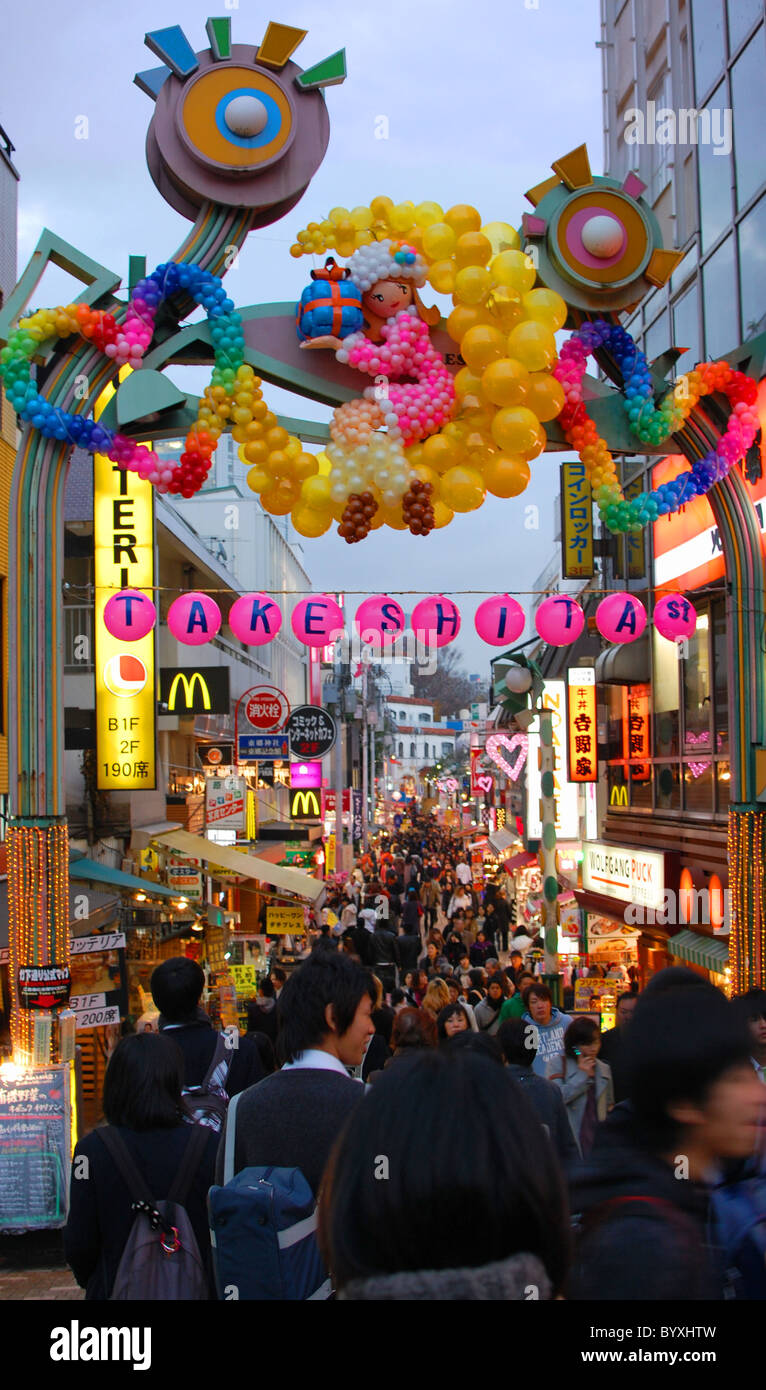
(504, 328)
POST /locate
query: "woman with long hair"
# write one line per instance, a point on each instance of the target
(146, 1114)
(460, 1139)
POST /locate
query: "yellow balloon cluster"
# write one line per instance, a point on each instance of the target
(504, 328)
(276, 460)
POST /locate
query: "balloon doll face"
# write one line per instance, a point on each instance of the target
(387, 297)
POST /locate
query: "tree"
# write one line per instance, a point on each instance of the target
(449, 686)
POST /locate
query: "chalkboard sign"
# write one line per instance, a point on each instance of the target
(35, 1150)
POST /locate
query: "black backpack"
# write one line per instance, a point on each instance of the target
(161, 1260)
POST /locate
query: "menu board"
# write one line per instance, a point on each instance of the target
(35, 1150)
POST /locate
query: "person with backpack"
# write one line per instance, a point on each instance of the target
(145, 1153)
(291, 1119)
(279, 1135)
(216, 1065)
(642, 1202)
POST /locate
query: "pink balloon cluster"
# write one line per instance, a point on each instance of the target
(256, 619)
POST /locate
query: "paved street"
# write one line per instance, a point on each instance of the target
(32, 1267)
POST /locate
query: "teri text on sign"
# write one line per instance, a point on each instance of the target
(123, 527)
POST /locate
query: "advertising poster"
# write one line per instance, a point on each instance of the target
(99, 982)
(225, 802)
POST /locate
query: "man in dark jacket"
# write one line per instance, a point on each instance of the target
(409, 950)
(385, 955)
(177, 986)
(496, 922)
(694, 1102)
(292, 1119)
(613, 1044)
(517, 1042)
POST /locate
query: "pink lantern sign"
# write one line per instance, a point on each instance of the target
(255, 619)
(620, 618)
(380, 619)
(675, 617)
(510, 743)
(317, 620)
(129, 615)
(559, 620)
(194, 619)
(436, 620)
(499, 620)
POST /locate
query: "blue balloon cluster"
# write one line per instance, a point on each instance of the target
(329, 306)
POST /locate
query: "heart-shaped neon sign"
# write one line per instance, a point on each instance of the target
(485, 781)
(516, 741)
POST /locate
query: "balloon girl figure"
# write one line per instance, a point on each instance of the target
(394, 344)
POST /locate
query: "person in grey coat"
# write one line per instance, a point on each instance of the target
(586, 1084)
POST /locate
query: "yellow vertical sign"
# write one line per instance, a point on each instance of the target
(123, 532)
(576, 523)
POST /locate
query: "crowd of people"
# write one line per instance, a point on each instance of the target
(451, 1132)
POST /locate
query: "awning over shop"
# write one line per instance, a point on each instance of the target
(700, 950)
(502, 840)
(520, 861)
(243, 865)
(90, 871)
(626, 664)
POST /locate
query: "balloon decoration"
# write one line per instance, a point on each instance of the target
(380, 619)
(232, 400)
(129, 615)
(461, 436)
(675, 617)
(650, 424)
(255, 619)
(559, 620)
(194, 619)
(436, 621)
(317, 620)
(499, 620)
(620, 618)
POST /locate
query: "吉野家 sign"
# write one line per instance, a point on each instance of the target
(289, 921)
(312, 732)
(582, 734)
(576, 523)
(628, 874)
(123, 533)
(195, 689)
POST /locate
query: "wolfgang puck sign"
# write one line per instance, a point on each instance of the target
(44, 986)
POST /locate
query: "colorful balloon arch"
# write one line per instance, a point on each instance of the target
(419, 445)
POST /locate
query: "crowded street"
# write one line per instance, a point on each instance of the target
(383, 697)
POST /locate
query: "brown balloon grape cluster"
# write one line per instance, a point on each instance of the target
(417, 508)
(357, 516)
